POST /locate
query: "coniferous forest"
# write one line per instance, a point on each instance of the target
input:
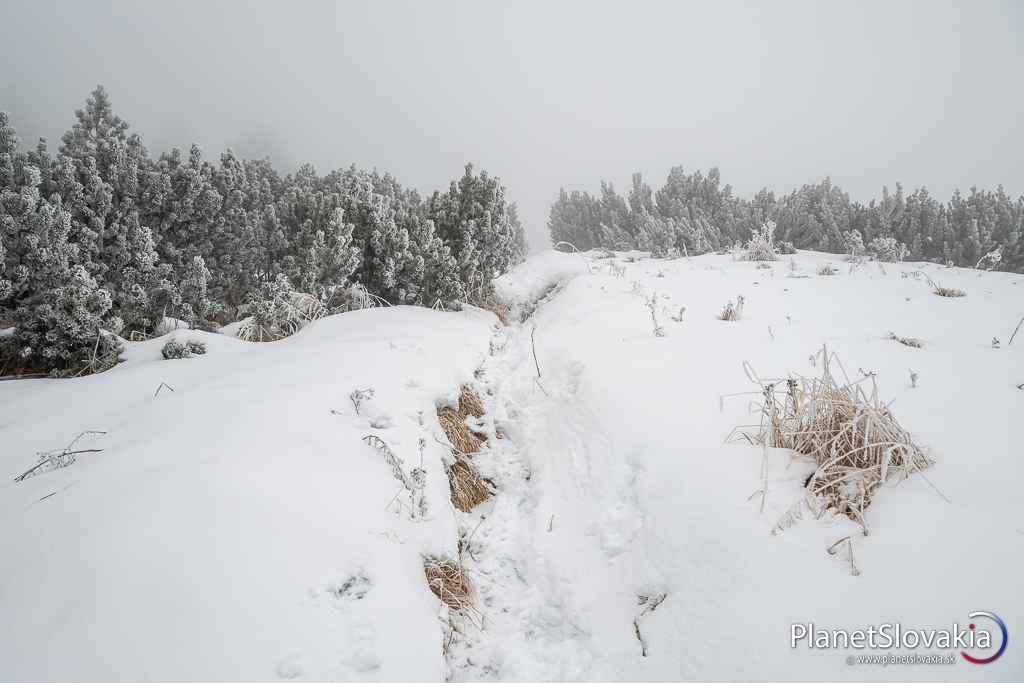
(104, 241)
(693, 213)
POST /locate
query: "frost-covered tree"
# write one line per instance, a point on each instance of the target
(817, 216)
(98, 173)
(854, 244)
(320, 255)
(887, 249)
(656, 234)
(481, 228)
(66, 328)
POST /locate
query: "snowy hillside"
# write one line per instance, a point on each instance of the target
(233, 524)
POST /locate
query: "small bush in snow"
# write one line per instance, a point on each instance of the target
(761, 246)
(827, 269)
(887, 249)
(174, 349)
(854, 245)
(786, 248)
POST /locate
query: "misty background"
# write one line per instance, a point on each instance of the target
(546, 95)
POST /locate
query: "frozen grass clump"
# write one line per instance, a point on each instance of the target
(732, 312)
(414, 482)
(468, 489)
(447, 580)
(912, 342)
(174, 349)
(761, 246)
(470, 403)
(947, 292)
(827, 269)
(458, 432)
(277, 311)
(849, 433)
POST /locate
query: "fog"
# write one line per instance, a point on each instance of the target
(548, 94)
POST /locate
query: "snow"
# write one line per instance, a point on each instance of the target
(236, 529)
(204, 542)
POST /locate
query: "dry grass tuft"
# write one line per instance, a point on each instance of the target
(912, 342)
(850, 434)
(489, 302)
(457, 431)
(948, 292)
(449, 583)
(281, 318)
(731, 312)
(470, 403)
(827, 269)
(468, 489)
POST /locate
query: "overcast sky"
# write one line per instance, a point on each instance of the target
(547, 94)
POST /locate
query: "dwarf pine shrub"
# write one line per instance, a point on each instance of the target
(174, 349)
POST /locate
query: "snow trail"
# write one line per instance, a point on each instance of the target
(531, 629)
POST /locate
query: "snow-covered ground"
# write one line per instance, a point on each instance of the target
(236, 529)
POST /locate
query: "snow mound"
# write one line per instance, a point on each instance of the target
(233, 527)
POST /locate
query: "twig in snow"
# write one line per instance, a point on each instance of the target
(1015, 330)
(834, 548)
(536, 363)
(649, 603)
(414, 482)
(162, 385)
(360, 396)
(61, 457)
(659, 331)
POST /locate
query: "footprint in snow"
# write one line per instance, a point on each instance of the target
(382, 422)
(353, 588)
(290, 667)
(364, 660)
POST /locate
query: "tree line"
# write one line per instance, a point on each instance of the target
(102, 240)
(693, 213)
